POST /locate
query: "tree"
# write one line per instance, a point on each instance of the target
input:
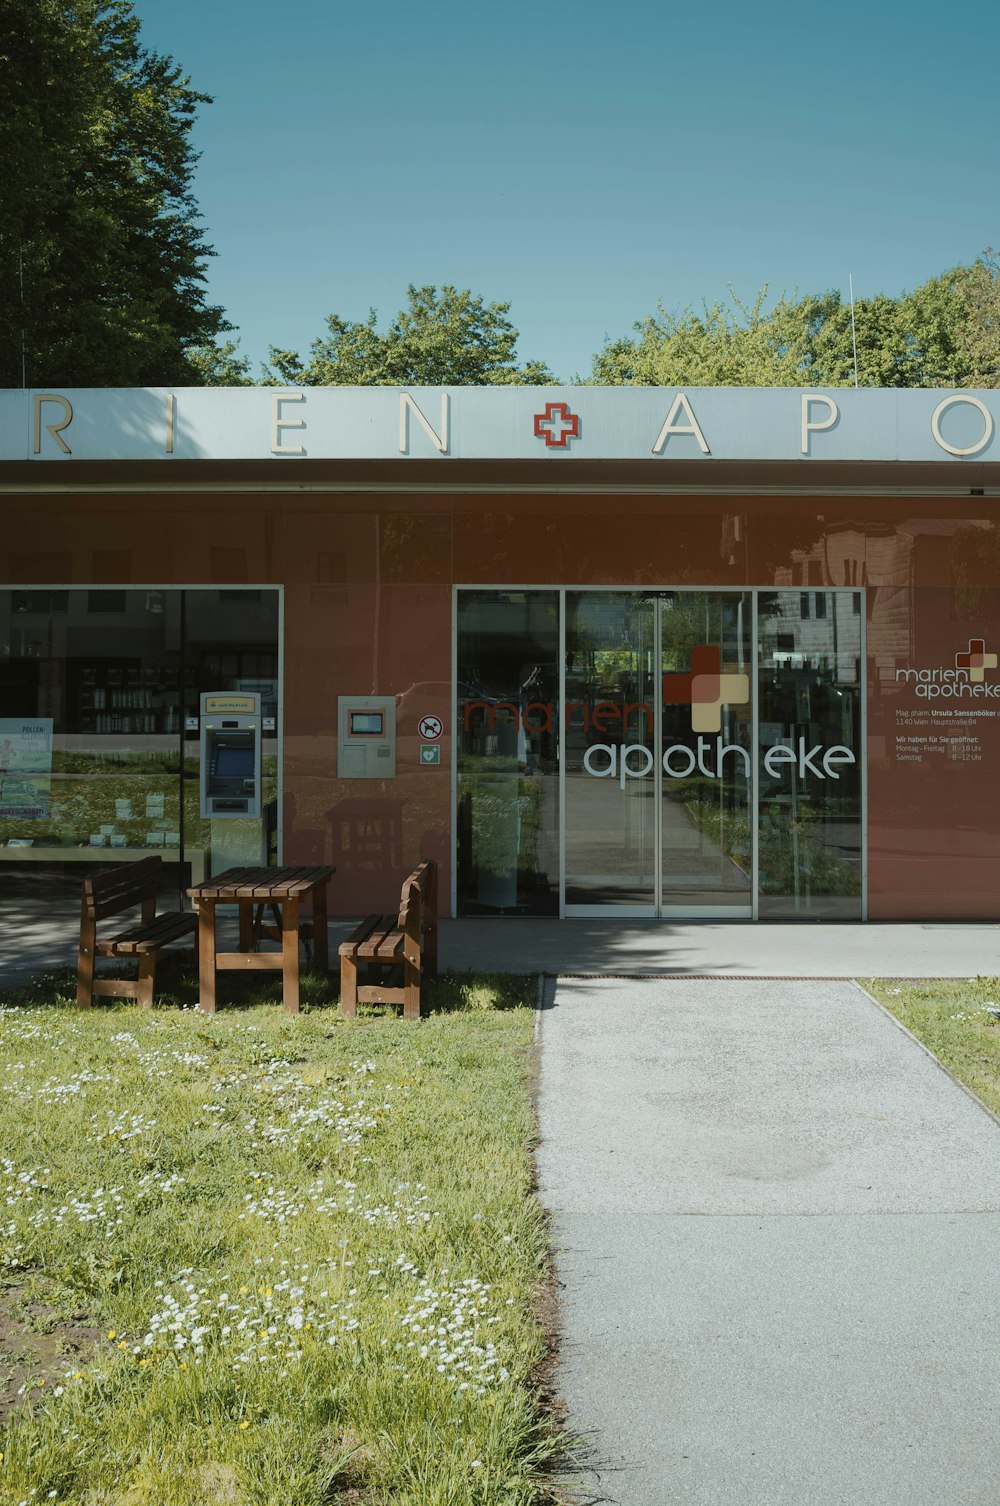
(724, 346)
(946, 333)
(101, 257)
(979, 336)
(219, 365)
(446, 338)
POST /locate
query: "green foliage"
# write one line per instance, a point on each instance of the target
(220, 365)
(979, 337)
(446, 338)
(946, 333)
(101, 258)
(724, 346)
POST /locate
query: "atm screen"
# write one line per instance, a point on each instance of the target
(367, 723)
(234, 763)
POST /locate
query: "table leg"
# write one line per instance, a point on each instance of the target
(246, 925)
(321, 939)
(290, 954)
(206, 955)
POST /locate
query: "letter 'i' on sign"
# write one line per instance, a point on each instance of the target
(431, 754)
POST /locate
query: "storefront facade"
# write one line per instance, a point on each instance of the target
(634, 652)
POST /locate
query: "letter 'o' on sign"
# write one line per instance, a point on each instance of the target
(969, 449)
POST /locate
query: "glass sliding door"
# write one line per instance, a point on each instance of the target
(706, 807)
(611, 752)
(507, 717)
(661, 753)
(810, 754)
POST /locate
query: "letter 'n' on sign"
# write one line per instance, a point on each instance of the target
(408, 405)
(55, 429)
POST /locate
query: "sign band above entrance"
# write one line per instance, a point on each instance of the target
(561, 425)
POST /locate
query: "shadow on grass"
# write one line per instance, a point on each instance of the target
(177, 988)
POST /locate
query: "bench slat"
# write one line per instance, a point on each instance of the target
(122, 889)
(368, 950)
(360, 933)
(125, 875)
(390, 948)
(148, 936)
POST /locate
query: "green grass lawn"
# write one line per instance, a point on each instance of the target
(951, 1017)
(253, 1258)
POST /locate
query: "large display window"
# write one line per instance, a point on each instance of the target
(99, 727)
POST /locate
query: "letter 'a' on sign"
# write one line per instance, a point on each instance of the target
(670, 426)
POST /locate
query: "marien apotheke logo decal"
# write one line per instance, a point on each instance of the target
(966, 680)
(706, 688)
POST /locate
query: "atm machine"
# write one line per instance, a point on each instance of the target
(231, 777)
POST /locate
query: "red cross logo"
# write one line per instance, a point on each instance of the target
(707, 689)
(976, 660)
(557, 426)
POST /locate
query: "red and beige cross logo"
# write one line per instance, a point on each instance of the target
(707, 689)
(975, 660)
(557, 426)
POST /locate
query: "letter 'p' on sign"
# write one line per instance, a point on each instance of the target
(812, 426)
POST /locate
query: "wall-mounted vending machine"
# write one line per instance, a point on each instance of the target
(230, 756)
(366, 737)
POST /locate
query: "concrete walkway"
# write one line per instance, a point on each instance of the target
(776, 1222)
(40, 927)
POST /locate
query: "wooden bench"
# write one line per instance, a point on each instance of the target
(112, 893)
(407, 940)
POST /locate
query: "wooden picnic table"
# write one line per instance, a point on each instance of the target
(280, 891)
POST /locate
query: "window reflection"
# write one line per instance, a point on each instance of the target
(810, 836)
(99, 752)
(508, 802)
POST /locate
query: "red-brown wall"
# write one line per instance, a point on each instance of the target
(368, 579)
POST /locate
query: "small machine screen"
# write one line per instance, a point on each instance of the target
(234, 763)
(367, 723)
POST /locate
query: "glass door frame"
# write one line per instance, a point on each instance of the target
(659, 911)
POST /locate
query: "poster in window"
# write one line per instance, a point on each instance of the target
(25, 768)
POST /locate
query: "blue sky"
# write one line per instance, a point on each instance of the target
(581, 160)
